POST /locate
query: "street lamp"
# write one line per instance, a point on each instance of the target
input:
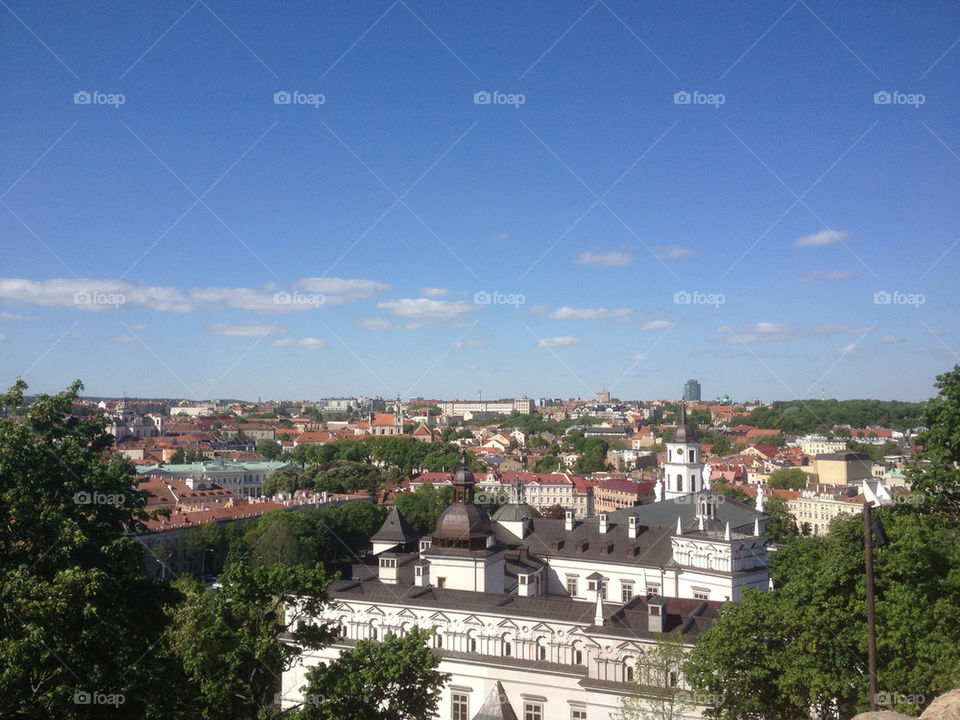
(163, 575)
(203, 561)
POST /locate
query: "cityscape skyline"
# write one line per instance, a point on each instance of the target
(416, 199)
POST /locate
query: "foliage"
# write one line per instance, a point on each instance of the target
(593, 454)
(229, 642)
(721, 444)
(270, 449)
(734, 493)
(396, 679)
(939, 478)
(876, 452)
(423, 506)
(178, 457)
(554, 512)
(788, 479)
(657, 692)
(802, 646)
(781, 527)
(797, 417)
(79, 613)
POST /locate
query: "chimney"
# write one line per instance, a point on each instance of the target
(603, 523)
(568, 521)
(656, 611)
(422, 574)
(632, 528)
(726, 532)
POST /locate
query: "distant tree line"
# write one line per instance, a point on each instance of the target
(797, 417)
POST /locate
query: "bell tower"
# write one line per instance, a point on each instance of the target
(683, 470)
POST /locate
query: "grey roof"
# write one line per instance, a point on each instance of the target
(843, 456)
(515, 511)
(689, 617)
(665, 513)
(395, 529)
(496, 706)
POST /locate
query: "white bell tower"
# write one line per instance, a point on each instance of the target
(683, 470)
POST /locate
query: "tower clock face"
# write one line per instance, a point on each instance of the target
(679, 451)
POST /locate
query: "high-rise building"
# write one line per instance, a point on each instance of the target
(603, 396)
(691, 391)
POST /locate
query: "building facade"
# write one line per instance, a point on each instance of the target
(691, 391)
(494, 407)
(552, 616)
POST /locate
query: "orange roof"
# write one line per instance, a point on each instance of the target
(384, 419)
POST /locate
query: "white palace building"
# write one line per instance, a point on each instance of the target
(540, 619)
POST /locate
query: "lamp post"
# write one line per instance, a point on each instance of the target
(163, 574)
(203, 561)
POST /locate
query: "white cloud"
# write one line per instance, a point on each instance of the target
(892, 338)
(777, 332)
(339, 291)
(672, 252)
(560, 342)
(422, 311)
(638, 358)
(122, 338)
(469, 344)
(14, 316)
(824, 237)
(376, 323)
(138, 326)
(568, 313)
(847, 349)
(309, 343)
(109, 295)
(434, 292)
(657, 325)
(611, 258)
(826, 275)
(2, 337)
(245, 330)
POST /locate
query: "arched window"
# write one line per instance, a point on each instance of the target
(629, 673)
(679, 483)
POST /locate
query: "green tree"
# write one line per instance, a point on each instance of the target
(178, 457)
(781, 527)
(734, 493)
(938, 477)
(657, 691)
(235, 644)
(396, 679)
(788, 479)
(78, 613)
(554, 512)
(802, 646)
(721, 444)
(194, 456)
(270, 449)
(423, 506)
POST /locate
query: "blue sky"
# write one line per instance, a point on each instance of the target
(196, 238)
